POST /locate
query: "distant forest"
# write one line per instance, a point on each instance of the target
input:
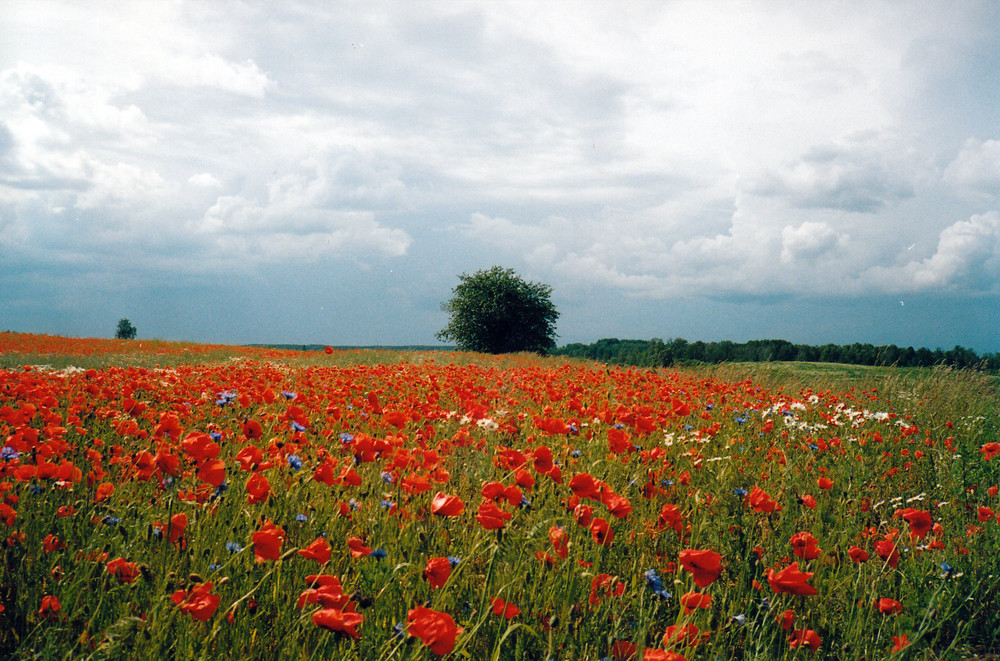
(657, 353)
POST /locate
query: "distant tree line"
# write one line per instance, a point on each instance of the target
(657, 353)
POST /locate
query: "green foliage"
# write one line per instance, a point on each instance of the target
(126, 331)
(496, 311)
(657, 353)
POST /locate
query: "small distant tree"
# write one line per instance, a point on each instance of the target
(496, 311)
(126, 331)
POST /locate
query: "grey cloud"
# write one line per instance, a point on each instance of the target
(809, 241)
(854, 177)
(965, 261)
(977, 167)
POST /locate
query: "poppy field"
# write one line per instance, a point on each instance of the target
(186, 503)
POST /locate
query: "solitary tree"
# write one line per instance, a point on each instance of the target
(126, 331)
(496, 311)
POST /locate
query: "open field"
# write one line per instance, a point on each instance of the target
(182, 501)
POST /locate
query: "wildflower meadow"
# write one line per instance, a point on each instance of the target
(160, 500)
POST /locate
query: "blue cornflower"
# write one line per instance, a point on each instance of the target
(576, 453)
(111, 520)
(9, 453)
(294, 461)
(379, 554)
(387, 477)
(454, 560)
(525, 501)
(213, 567)
(386, 504)
(688, 427)
(297, 427)
(36, 489)
(222, 488)
(301, 518)
(618, 425)
(740, 492)
(346, 438)
(287, 394)
(233, 547)
(354, 505)
(655, 583)
(215, 436)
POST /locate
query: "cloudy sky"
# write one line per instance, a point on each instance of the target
(316, 172)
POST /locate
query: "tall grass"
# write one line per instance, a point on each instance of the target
(698, 441)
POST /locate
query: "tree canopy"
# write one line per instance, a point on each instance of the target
(126, 331)
(496, 311)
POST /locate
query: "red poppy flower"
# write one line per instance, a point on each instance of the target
(604, 585)
(50, 607)
(334, 619)
(559, 540)
(437, 571)
(786, 619)
(601, 531)
(104, 491)
(327, 350)
(258, 489)
(437, 630)
(704, 565)
(685, 635)
(990, 450)
(252, 429)
(694, 600)
(542, 459)
(492, 517)
(618, 506)
(124, 571)
(328, 592)
(886, 549)
(504, 608)
(249, 456)
(198, 602)
(891, 606)
(920, 522)
(804, 637)
(661, 655)
(824, 483)
(213, 472)
(791, 581)
(858, 555)
(267, 542)
(760, 501)
(900, 642)
(445, 505)
(178, 523)
(623, 650)
(808, 501)
(358, 548)
(585, 486)
(319, 550)
(804, 546)
(52, 543)
(670, 515)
